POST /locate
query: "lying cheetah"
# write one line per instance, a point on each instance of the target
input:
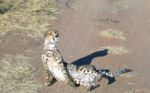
(88, 76)
(53, 60)
(85, 75)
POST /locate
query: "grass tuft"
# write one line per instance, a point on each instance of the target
(116, 49)
(111, 33)
(30, 16)
(17, 75)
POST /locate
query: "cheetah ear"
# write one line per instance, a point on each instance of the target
(52, 32)
(56, 33)
(48, 33)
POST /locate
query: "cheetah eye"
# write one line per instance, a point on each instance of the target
(57, 35)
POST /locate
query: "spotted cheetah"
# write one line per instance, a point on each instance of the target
(53, 61)
(88, 76)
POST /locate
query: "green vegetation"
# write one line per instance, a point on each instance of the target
(17, 75)
(30, 16)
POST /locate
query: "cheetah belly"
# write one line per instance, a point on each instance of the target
(82, 78)
(56, 71)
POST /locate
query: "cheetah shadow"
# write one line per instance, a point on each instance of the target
(88, 59)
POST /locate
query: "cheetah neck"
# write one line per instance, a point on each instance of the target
(51, 46)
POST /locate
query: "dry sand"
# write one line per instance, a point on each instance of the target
(81, 43)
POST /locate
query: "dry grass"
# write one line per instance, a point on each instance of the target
(17, 75)
(136, 90)
(107, 20)
(112, 33)
(30, 16)
(128, 75)
(130, 90)
(116, 49)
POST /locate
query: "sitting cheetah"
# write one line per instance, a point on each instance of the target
(85, 75)
(53, 60)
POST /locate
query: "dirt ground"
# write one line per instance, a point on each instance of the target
(81, 24)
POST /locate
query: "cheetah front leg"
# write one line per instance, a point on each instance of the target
(50, 79)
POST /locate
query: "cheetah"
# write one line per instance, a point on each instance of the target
(53, 61)
(86, 75)
(89, 76)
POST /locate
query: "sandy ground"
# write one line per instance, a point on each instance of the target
(81, 23)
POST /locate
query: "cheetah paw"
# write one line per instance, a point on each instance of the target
(47, 77)
(47, 84)
(71, 83)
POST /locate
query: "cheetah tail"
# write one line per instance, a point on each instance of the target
(115, 74)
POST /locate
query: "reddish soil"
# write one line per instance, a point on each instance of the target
(80, 42)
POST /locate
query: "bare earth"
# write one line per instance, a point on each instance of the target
(81, 23)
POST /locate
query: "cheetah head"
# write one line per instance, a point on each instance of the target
(51, 37)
